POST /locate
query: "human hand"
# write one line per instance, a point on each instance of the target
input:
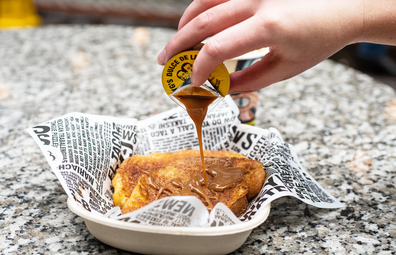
(299, 34)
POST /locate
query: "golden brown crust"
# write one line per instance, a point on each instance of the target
(146, 175)
(239, 206)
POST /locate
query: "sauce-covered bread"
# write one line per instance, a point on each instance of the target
(232, 179)
(133, 167)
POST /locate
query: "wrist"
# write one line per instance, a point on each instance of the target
(378, 22)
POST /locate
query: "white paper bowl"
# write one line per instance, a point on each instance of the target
(168, 240)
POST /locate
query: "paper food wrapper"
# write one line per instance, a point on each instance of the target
(84, 151)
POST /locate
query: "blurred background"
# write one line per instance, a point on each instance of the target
(378, 61)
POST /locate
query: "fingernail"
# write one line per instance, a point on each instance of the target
(162, 57)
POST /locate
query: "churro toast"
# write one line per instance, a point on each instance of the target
(233, 179)
(133, 167)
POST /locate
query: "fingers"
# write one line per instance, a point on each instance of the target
(271, 69)
(256, 76)
(232, 42)
(203, 26)
(197, 7)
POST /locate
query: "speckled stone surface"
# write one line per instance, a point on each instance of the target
(163, 6)
(342, 124)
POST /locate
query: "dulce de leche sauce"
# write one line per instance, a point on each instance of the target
(197, 100)
(224, 177)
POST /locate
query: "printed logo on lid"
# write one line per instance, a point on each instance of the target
(178, 69)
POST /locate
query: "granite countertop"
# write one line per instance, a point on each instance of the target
(165, 7)
(341, 122)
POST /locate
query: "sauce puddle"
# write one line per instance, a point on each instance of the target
(224, 177)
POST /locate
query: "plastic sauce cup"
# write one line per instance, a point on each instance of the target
(177, 72)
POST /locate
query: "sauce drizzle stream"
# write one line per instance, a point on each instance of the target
(197, 100)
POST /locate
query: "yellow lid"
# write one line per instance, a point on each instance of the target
(18, 13)
(178, 69)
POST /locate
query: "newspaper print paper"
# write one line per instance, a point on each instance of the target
(84, 151)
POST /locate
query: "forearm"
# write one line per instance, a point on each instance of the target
(379, 22)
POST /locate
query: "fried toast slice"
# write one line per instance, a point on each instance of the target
(133, 167)
(184, 177)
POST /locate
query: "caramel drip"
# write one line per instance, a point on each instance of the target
(153, 185)
(151, 182)
(184, 190)
(224, 177)
(197, 100)
(196, 186)
(165, 189)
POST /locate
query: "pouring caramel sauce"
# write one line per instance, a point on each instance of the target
(197, 100)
